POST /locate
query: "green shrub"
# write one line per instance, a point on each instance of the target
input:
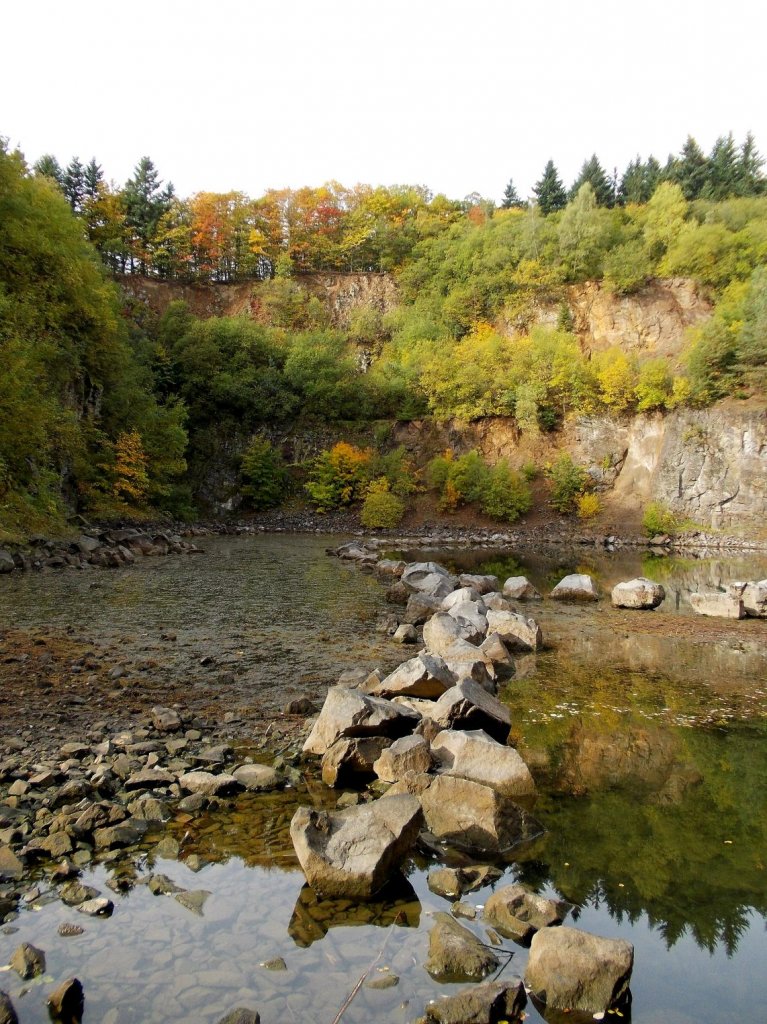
(568, 481)
(530, 472)
(397, 468)
(659, 519)
(264, 477)
(589, 505)
(381, 508)
(506, 494)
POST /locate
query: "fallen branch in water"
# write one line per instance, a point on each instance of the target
(361, 980)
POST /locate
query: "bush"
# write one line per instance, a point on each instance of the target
(659, 519)
(263, 474)
(506, 494)
(568, 482)
(589, 505)
(381, 507)
(338, 477)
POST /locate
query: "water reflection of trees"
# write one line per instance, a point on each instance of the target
(690, 857)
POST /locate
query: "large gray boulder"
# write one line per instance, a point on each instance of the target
(517, 912)
(483, 584)
(428, 578)
(718, 605)
(351, 713)
(459, 596)
(496, 650)
(415, 572)
(474, 817)
(755, 600)
(351, 854)
(578, 586)
(638, 593)
(426, 675)
(476, 756)
(489, 1003)
(466, 661)
(443, 630)
(351, 758)
(408, 754)
(470, 613)
(467, 706)
(516, 631)
(519, 588)
(420, 608)
(456, 954)
(571, 969)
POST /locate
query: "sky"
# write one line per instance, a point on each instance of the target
(460, 97)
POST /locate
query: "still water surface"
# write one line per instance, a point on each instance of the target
(648, 748)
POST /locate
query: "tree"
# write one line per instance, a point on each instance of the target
(511, 200)
(596, 176)
(549, 191)
(93, 179)
(131, 478)
(691, 170)
(145, 203)
(49, 167)
(723, 169)
(639, 181)
(74, 184)
(665, 216)
(751, 180)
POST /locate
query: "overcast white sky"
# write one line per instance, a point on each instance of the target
(245, 95)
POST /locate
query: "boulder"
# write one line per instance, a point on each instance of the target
(241, 1016)
(7, 563)
(28, 961)
(517, 912)
(412, 784)
(7, 1012)
(471, 613)
(420, 607)
(519, 588)
(10, 865)
(209, 784)
(257, 778)
(125, 833)
(415, 572)
(476, 756)
(456, 954)
(474, 817)
(718, 605)
(571, 969)
(351, 758)
(165, 719)
(489, 1003)
(434, 585)
(466, 661)
(66, 1002)
(755, 599)
(426, 675)
(576, 587)
(442, 631)
(454, 882)
(408, 754)
(389, 568)
(496, 650)
(459, 596)
(497, 602)
(149, 778)
(352, 853)
(351, 713)
(638, 593)
(467, 706)
(517, 632)
(405, 633)
(482, 584)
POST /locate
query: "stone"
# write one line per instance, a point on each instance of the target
(718, 605)
(463, 594)
(99, 907)
(126, 833)
(492, 1002)
(351, 713)
(390, 567)
(517, 912)
(349, 758)
(497, 602)
(67, 930)
(475, 755)
(74, 893)
(413, 783)
(300, 706)
(57, 844)
(445, 882)
(755, 599)
(482, 584)
(519, 588)
(471, 613)
(166, 719)
(161, 885)
(456, 954)
(496, 650)
(352, 853)
(11, 867)
(572, 969)
(383, 981)
(257, 778)
(66, 1003)
(193, 899)
(241, 1016)
(467, 706)
(75, 750)
(150, 778)
(7, 1012)
(407, 754)
(405, 633)
(149, 808)
(28, 961)
(578, 586)
(416, 572)
(275, 964)
(420, 607)
(209, 784)
(443, 631)
(426, 675)
(638, 593)
(516, 631)
(471, 816)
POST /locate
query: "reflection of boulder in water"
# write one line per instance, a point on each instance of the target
(648, 757)
(313, 917)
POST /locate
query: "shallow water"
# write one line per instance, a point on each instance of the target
(652, 793)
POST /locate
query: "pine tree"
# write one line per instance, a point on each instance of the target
(751, 180)
(722, 169)
(549, 191)
(593, 173)
(74, 184)
(49, 167)
(511, 200)
(691, 170)
(93, 179)
(145, 204)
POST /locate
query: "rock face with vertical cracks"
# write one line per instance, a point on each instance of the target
(353, 853)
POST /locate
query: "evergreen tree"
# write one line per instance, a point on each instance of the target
(93, 179)
(145, 204)
(596, 176)
(74, 184)
(691, 170)
(511, 200)
(723, 169)
(751, 180)
(549, 191)
(49, 167)
(632, 186)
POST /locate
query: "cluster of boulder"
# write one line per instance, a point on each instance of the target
(107, 549)
(737, 601)
(430, 740)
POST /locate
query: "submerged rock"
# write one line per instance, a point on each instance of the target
(517, 912)
(7, 1012)
(456, 954)
(638, 593)
(572, 969)
(351, 713)
(352, 853)
(492, 1002)
(241, 1016)
(471, 816)
(578, 586)
(476, 756)
(28, 961)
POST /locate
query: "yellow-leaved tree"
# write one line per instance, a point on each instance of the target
(131, 482)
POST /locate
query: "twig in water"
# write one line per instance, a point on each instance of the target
(361, 980)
